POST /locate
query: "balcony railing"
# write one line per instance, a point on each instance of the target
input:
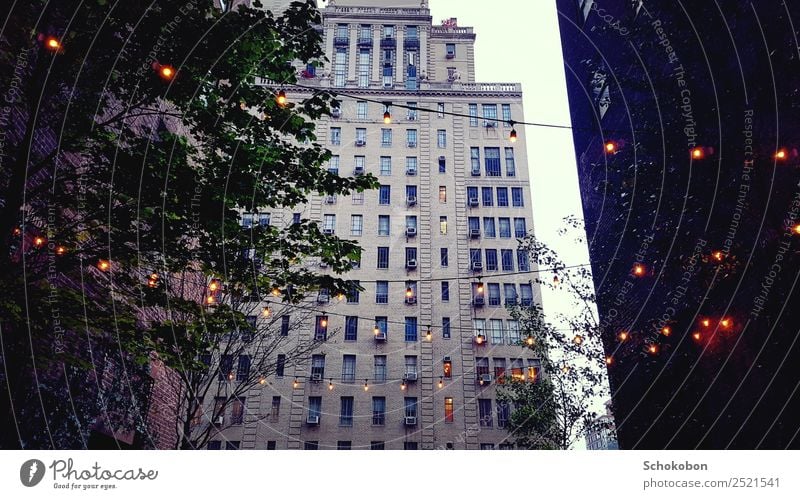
(365, 42)
(341, 41)
(388, 42)
(411, 43)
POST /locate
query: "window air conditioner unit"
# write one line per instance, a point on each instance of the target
(312, 420)
(412, 117)
(323, 298)
(410, 377)
(316, 377)
(478, 301)
(474, 234)
(336, 112)
(446, 358)
(361, 143)
(411, 171)
(411, 144)
(477, 266)
(358, 170)
(411, 200)
(411, 264)
(330, 200)
(411, 421)
(476, 172)
(474, 202)
(411, 300)
(328, 232)
(381, 336)
(485, 378)
(490, 124)
(219, 421)
(411, 231)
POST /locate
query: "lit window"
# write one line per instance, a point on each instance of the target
(448, 410)
(442, 194)
(443, 225)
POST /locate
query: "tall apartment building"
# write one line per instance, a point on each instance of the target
(417, 353)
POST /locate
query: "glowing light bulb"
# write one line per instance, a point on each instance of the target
(611, 147)
(666, 330)
(441, 383)
(17, 231)
(213, 285)
(38, 241)
(428, 335)
(796, 229)
(653, 349)
(281, 99)
(60, 250)
(409, 292)
(718, 256)
(726, 323)
(609, 360)
(556, 280)
(262, 380)
(323, 323)
(276, 292)
(387, 117)
(211, 300)
(376, 330)
(578, 339)
(697, 336)
(623, 336)
(781, 154)
(366, 385)
(530, 341)
(330, 385)
(403, 385)
(480, 287)
(230, 376)
(705, 322)
(266, 312)
(52, 43)
(639, 270)
(340, 296)
(698, 153)
(296, 383)
(167, 72)
(512, 136)
(103, 265)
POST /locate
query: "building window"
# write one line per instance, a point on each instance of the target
(232, 445)
(237, 410)
(496, 325)
(474, 257)
(411, 192)
(411, 165)
(526, 290)
(346, 412)
(243, 368)
(411, 255)
(357, 198)
(485, 412)
(410, 445)
(384, 194)
(475, 160)
(344, 445)
(512, 327)
(510, 291)
(523, 263)
(516, 370)
(364, 64)
(507, 257)
(225, 367)
(506, 109)
(356, 225)
(448, 409)
(321, 328)
(311, 445)
(382, 292)
(441, 139)
(350, 328)
(380, 368)
(502, 196)
(490, 115)
(280, 365)
(443, 225)
(353, 294)
(386, 137)
(520, 230)
(314, 406)
(447, 368)
(481, 363)
(473, 115)
(487, 446)
(376, 445)
(271, 445)
(318, 366)
(487, 196)
(412, 113)
(383, 257)
(275, 411)
(505, 227)
(361, 136)
(361, 110)
(499, 370)
(511, 169)
(336, 136)
(491, 259)
(450, 49)
(384, 225)
(411, 364)
(386, 165)
(534, 368)
(411, 329)
(329, 222)
(442, 194)
(503, 414)
(444, 259)
(440, 110)
(516, 197)
(410, 404)
(494, 294)
(445, 291)
(492, 161)
(214, 445)
(378, 411)
(442, 164)
(348, 369)
(411, 138)
(340, 67)
(285, 325)
(446, 327)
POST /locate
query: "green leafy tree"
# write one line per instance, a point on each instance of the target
(135, 136)
(556, 405)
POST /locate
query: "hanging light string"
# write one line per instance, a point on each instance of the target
(509, 122)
